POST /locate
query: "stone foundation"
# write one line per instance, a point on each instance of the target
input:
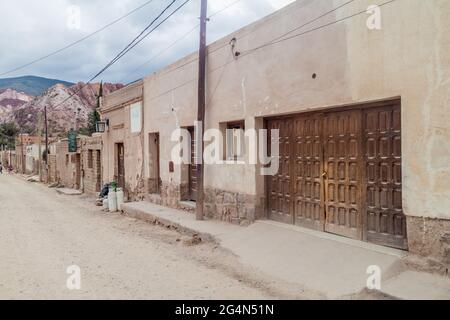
(232, 207)
(221, 205)
(137, 192)
(430, 238)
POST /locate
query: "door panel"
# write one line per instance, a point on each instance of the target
(193, 168)
(308, 182)
(342, 154)
(386, 223)
(280, 185)
(121, 166)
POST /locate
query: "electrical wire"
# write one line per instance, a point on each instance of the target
(129, 47)
(311, 30)
(76, 42)
(250, 51)
(184, 36)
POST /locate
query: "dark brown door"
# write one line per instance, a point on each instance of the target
(342, 176)
(340, 171)
(386, 223)
(77, 171)
(192, 167)
(308, 181)
(280, 185)
(121, 165)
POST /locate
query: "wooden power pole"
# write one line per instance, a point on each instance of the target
(46, 145)
(201, 110)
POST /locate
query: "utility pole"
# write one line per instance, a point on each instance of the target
(40, 146)
(201, 110)
(46, 144)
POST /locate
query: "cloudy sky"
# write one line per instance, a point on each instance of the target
(30, 29)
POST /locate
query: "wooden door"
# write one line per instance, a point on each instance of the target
(78, 173)
(308, 169)
(193, 167)
(280, 185)
(343, 161)
(340, 172)
(386, 222)
(121, 166)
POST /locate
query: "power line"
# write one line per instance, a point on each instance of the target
(248, 52)
(244, 53)
(314, 20)
(297, 28)
(180, 39)
(76, 42)
(129, 47)
(135, 40)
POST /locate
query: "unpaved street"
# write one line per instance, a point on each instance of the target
(42, 233)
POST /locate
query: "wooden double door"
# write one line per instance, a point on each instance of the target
(340, 172)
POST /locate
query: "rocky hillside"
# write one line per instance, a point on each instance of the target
(62, 114)
(11, 99)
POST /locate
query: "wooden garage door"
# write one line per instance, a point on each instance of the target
(280, 185)
(308, 171)
(343, 162)
(386, 223)
(340, 171)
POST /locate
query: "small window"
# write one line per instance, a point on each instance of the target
(90, 159)
(235, 141)
(67, 159)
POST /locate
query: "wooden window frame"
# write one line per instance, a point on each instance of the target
(230, 154)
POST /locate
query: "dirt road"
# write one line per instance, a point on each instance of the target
(42, 234)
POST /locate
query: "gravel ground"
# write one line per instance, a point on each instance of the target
(43, 233)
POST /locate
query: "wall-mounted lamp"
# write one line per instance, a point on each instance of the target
(102, 126)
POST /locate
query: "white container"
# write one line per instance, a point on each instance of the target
(112, 201)
(120, 198)
(105, 204)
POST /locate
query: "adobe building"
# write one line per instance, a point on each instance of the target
(123, 141)
(362, 115)
(68, 165)
(91, 154)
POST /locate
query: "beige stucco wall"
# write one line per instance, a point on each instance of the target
(116, 108)
(68, 171)
(408, 58)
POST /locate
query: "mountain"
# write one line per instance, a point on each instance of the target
(61, 113)
(31, 85)
(11, 99)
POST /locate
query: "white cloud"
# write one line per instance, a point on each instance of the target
(30, 29)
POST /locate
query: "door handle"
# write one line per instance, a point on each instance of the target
(324, 174)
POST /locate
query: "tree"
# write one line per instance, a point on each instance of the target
(94, 116)
(8, 133)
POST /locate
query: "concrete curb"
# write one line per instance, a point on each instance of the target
(150, 218)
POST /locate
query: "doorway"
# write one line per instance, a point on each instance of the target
(120, 165)
(192, 167)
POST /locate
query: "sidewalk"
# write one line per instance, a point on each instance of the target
(334, 266)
